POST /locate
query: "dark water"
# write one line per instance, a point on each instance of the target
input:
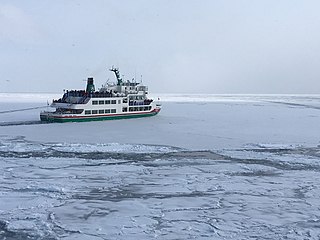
(123, 191)
(19, 123)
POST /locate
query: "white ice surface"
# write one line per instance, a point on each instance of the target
(143, 179)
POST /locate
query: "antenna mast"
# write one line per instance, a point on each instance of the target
(117, 73)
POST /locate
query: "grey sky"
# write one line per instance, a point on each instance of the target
(180, 46)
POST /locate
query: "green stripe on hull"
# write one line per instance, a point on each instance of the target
(102, 118)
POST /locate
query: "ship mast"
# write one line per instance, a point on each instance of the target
(117, 73)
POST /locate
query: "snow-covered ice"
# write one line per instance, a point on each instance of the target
(206, 167)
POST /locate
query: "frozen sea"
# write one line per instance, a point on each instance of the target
(207, 167)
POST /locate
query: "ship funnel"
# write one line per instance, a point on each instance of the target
(90, 85)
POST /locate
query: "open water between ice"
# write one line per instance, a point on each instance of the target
(137, 191)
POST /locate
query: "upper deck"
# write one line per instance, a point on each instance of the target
(120, 90)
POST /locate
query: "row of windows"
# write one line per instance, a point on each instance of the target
(125, 109)
(101, 111)
(101, 102)
(132, 109)
(137, 97)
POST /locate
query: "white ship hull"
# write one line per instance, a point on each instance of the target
(99, 112)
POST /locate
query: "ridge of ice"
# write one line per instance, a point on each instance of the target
(21, 145)
(112, 147)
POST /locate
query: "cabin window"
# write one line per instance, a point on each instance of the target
(145, 109)
(94, 111)
(119, 101)
(131, 109)
(101, 102)
(101, 111)
(107, 111)
(107, 101)
(125, 100)
(94, 102)
(124, 109)
(76, 111)
(140, 108)
(135, 109)
(87, 112)
(113, 102)
(113, 110)
(149, 107)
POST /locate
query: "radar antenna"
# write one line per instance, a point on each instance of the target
(117, 73)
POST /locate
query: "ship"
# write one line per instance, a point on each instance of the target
(119, 100)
